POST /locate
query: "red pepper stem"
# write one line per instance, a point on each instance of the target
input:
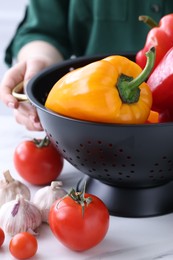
(128, 87)
(148, 20)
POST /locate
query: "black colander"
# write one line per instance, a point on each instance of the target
(130, 167)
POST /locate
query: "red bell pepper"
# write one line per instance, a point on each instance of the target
(166, 116)
(161, 85)
(161, 37)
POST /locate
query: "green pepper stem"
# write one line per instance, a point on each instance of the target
(128, 87)
(148, 20)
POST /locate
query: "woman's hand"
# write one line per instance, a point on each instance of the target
(33, 58)
(24, 112)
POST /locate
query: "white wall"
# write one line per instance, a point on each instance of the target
(11, 12)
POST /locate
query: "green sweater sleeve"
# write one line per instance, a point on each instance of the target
(43, 20)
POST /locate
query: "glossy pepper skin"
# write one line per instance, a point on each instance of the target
(153, 117)
(110, 90)
(160, 36)
(166, 116)
(161, 85)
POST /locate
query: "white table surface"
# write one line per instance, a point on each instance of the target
(128, 238)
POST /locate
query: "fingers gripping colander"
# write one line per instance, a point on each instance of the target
(130, 167)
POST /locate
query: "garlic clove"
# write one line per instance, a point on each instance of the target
(19, 215)
(10, 187)
(46, 196)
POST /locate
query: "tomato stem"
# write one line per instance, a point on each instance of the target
(79, 197)
(42, 142)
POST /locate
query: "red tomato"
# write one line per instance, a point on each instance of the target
(23, 245)
(75, 230)
(39, 165)
(2, 237)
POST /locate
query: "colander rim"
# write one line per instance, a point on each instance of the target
(33, 100)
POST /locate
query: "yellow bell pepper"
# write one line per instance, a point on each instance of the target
(111, 90)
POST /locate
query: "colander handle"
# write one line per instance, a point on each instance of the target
(18, 92)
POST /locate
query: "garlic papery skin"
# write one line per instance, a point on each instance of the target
(10, 187)
(45, 197)
(19, 215)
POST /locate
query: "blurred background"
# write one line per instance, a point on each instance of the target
(11, 12)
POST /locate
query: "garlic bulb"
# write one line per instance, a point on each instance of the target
(45, 197)
(19, 215)
(10, 187)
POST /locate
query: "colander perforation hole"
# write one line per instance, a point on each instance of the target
(160, 170)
